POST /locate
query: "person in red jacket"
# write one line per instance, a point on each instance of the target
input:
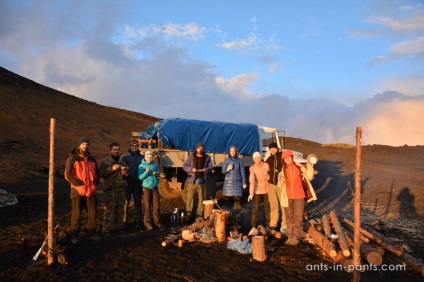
(81, 172)
(258, 191)
(293, 198)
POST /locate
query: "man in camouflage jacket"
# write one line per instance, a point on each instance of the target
(112, 171)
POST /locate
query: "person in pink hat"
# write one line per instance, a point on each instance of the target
(292, 180)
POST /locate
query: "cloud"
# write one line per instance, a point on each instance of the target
(392, 119)
(412, 23)
(190, 31)
(406, 49)
(237, 86)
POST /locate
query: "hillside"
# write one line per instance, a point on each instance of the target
(26, 108)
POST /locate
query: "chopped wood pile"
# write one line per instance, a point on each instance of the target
(335, 238)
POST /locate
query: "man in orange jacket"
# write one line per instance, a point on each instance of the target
(81, 172)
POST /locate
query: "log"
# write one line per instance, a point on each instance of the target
(381, 239)
(322, 241)
(346, 263)
(220, 227)
(363, 231)
(380, 249)
(351, 228)
(326, 225)
(170, 239)
(339, 230)
(208, 207)
(258, 248)
(276, 234)
(367, 252)
(415, 264)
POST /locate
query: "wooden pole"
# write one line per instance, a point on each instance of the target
(357, 207)
(50, 216)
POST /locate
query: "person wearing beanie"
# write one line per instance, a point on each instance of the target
(133, 158)
(198, 166)
(148, 173)
(113, 171)
(275, 164)
(258, 191)
(235, 177)
(291, 180)
(82, 173)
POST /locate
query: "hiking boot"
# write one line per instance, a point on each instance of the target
(237, 206)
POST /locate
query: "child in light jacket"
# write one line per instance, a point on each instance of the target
(258, 191)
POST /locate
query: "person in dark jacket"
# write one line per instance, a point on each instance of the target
(198, 165)
(274, 194)
(113, 171)
(133, 159)
(82, 173)
(148, 173)
(235, 177)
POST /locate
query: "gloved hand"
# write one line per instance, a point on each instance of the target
(250, 198)
(244, 186)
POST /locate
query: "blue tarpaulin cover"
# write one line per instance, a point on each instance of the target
(217, 137)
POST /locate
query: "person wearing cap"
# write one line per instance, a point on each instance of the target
(235, 177)
(198, 165)
(292, 179)
(82, 173)
(258, 190)
(148, 173)
(113, 170)
(275, 164)
(133, 159)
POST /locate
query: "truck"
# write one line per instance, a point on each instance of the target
(172, 140)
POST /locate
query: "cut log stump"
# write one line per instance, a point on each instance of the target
(258, 248)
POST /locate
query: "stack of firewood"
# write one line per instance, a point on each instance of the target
(335, 238)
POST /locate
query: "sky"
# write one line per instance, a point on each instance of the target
(316, 70)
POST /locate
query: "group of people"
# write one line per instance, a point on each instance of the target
(278, 183)
(130, 176)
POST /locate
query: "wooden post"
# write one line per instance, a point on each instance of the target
(258, 248)
(220, 226)
(50, 216)
(357, 206)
